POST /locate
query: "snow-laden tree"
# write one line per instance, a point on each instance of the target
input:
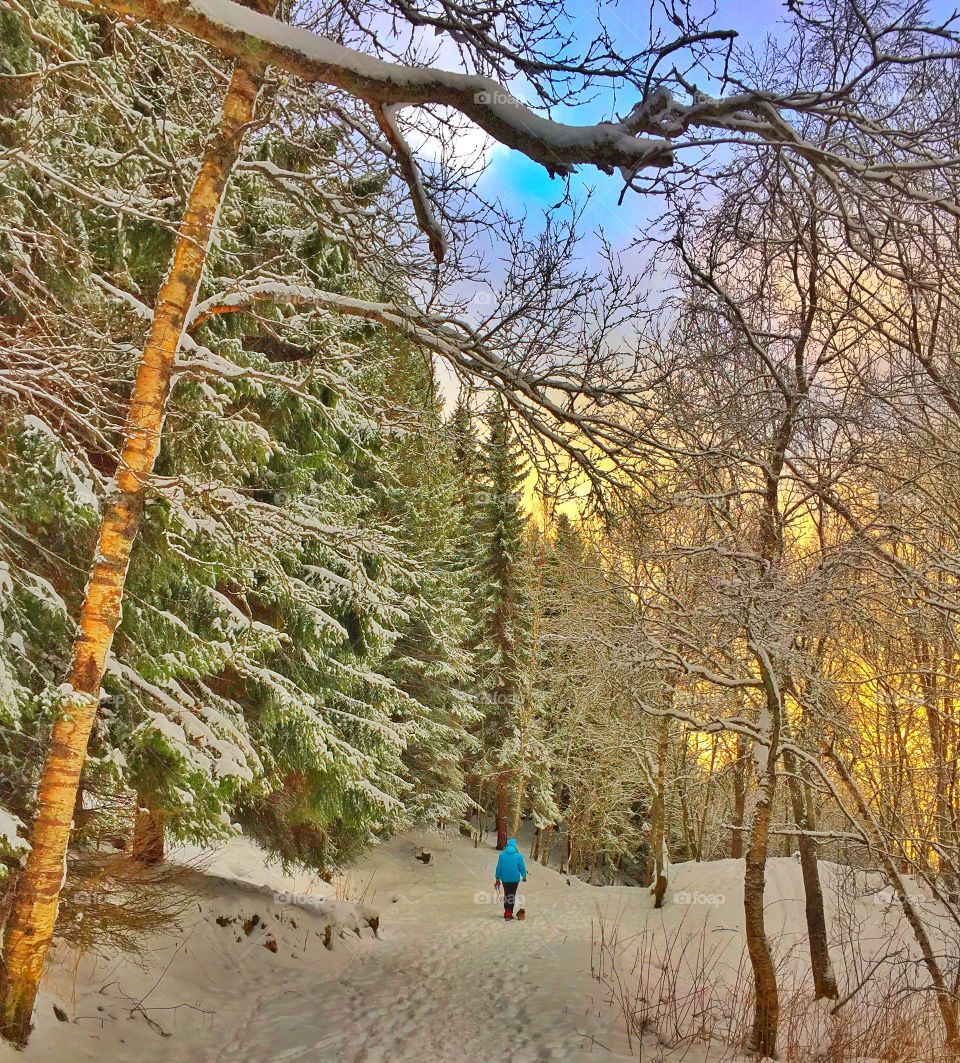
(245, 679)
(598, 747)
(501, 642)
(430, 660)
(254, 528)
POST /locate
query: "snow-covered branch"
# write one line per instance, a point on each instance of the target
(236, 30)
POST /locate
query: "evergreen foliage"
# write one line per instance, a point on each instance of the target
(290, 657)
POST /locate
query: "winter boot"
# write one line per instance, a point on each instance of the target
(507, 915)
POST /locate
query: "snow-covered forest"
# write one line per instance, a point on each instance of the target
(364, 505)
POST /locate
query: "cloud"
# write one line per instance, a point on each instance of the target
(449, 139)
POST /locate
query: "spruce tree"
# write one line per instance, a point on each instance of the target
(248, 681)
(430, 660)
(502, 604)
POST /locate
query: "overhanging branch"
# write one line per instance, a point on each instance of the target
(238, 31)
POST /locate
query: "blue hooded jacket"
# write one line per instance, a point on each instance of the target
(510, 865)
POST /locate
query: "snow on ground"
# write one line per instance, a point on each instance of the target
(446, 981)
(694, 972)
(250, 935)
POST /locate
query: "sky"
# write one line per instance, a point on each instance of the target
(524, 186)
(527, 190)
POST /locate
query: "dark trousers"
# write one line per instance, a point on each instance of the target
(509, 895)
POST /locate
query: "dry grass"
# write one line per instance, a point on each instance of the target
(112, 903)
(352, 887)
(681, 990)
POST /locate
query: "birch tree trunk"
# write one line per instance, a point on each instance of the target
(766, 1015)
(33, 912)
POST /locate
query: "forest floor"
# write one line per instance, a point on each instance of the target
(450, 981)
(446, 981)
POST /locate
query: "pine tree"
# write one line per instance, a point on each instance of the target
(430, 661)
(502, 651)
(30, 923)
(277, 634)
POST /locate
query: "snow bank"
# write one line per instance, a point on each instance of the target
(250, 932)
(256, 975)
(241, 861)
(689, 963)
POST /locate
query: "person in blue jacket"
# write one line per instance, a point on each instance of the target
(511, 870)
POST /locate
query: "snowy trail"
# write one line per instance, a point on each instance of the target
(450, 981)
(249, 979)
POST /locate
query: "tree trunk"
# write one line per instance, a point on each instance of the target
(708, 790)
(149, 832)
(501, 811)
(547, 845)
(766, 1015)
(739, 799)
(936, 697)
(518, 809)
(680, 788)
(767, 1000)
(33, 913)
(824, 980)
(528, 710)
(658, 833)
